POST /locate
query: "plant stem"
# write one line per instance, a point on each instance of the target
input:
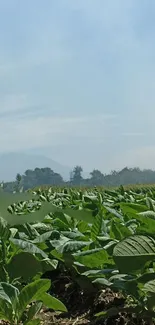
(4, 261)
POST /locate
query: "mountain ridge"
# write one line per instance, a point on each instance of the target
(13, 163)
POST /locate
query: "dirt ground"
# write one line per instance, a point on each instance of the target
(82, 308)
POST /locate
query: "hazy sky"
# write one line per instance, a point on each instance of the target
(77, 81)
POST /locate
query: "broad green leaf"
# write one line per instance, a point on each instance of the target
(28, 247)
(42, 227)
(150, 204)
(96, 227)
(148, 214)
(83, 227)
(59, 225)
(51, 302)
(72, 234)
(72, 246)
(6, 311)
(32, 292)
(3, 295)
(147, 225)
(92, 258)
(114, 212)
(49, 265)
(46, 236)
(132, 207)
(16, 266)
(4, 229)
(98, 273)
(11, 291)
(61, 221)
(146, 277)
(29, 230)
(83, 214)
(60, 242)
(102, 281)
(150, 287)
(132, 253)
(129, 212)
(118, 231)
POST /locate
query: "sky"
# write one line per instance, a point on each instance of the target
(77, 81)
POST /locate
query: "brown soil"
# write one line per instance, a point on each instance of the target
(82, 307)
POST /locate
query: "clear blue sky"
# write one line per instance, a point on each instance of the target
(77, 81)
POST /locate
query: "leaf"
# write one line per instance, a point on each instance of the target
(83, 227)
(97, 273)
(128, 208)
(3, 295)
(31, 292)
(124, 282)
(146, 277)
(92, 258)
(147, 225)
(150, 204)
(83, 214)
(97, 227)
(49, 265)
(72, 246)
(46, 236)
(28, 247)
(16, 266)
(149, 287)
(59, 225)
(33, 311)
(4, 229)
(11, 291)
(52, 302)
(114, 212)
(113, 311)
(6, 311)
(35, 321)
(72, 234)
(30, 230)
(132, 253)
(102, 281)
(118, 231)
(148, 214)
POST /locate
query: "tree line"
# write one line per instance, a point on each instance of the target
(46, 176)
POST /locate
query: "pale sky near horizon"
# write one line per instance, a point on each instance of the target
(77, 81)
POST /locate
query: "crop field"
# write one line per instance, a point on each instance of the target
(78, 256)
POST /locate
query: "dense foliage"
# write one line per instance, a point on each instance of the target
(102, 238)
(46, 176)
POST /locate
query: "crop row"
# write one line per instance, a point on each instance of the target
(106, 238)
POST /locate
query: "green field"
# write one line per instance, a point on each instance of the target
(78, 256)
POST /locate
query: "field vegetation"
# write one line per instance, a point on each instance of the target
(78, 256)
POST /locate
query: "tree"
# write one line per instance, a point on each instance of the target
(76, 175)
(18, 178)
(97, 178)
(18, 181)
(41, 176)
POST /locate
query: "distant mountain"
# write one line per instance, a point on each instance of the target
(13, 163)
